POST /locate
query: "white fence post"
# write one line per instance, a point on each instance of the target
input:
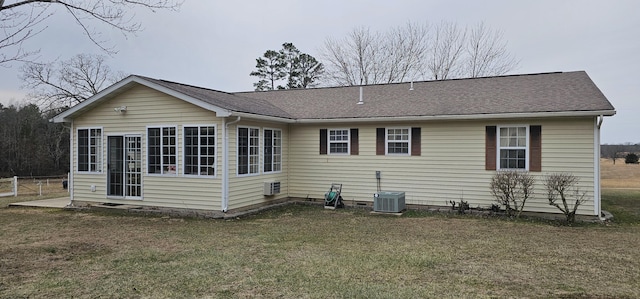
(15, 186)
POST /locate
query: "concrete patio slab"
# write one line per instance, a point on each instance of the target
(59, 202)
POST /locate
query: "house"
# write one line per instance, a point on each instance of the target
(157, 143)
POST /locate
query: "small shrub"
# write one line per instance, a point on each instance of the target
(462, 206)
(564, 186)
(495, 208)
(512, 189)
(631, 158)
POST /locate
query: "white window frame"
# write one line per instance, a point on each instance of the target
(99, 150)
(164, 169)
(199, 146)
(273, 151)
(499, 147)
(329, 141)
(387, 141)
(250, 146)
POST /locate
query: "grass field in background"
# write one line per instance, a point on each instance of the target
(619, 175)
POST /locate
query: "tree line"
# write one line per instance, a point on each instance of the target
(30, 145)
(618, 151)
(413, 52)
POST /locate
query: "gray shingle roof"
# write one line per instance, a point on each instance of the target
(533, 93)
(225, 100)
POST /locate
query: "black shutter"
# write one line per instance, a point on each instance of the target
(535, 148)
(415, 141)
(323, 141)
(380, 141)
(355, 150)
(490, 148)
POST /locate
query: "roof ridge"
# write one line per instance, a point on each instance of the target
(403, 82)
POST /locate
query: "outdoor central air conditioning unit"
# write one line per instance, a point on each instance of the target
(392, 202)
(271, 188)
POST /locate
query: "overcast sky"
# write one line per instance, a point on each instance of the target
(214, 44)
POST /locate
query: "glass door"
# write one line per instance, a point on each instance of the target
(133, 170)
(124, 164)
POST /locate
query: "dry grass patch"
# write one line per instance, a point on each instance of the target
(307, 252)
(620, 175)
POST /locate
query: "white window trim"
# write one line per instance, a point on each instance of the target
(184, 153)
(386, 141)
(526, 148)
(161, 145)
(272, 155)
(348, 141)
(248, 154)
(101, 151)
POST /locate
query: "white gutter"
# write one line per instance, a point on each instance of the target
(264, 117)
(597, 207)
(460, 117)
(225, 163)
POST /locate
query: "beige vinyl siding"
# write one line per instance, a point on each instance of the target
(147, 107)
(247, 190)
(450, 167)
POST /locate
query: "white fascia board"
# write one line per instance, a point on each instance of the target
(460, 117)
(124, 84)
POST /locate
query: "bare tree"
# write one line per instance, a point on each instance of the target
(68, 82)
(23, 20)
(366, 57)
(405, 50)
(487, 53)
(611, 151)
(414, 52)
(447, 49)
(351, 60)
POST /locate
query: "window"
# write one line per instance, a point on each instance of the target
(199, 150)
(512, 147)
(161, 149)
(397, 141)
(248, 150)
(90, 150)
(339, 141)
(342, 141)
(272, 150)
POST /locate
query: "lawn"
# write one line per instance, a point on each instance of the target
(308, 252)
(300, 251)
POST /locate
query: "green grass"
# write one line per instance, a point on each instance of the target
(308, 252)
(623, 204)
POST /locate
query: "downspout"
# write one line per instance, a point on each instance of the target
(225, 163)
(70, 180)
(596, 162)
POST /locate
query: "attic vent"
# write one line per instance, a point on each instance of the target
(271, 188)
